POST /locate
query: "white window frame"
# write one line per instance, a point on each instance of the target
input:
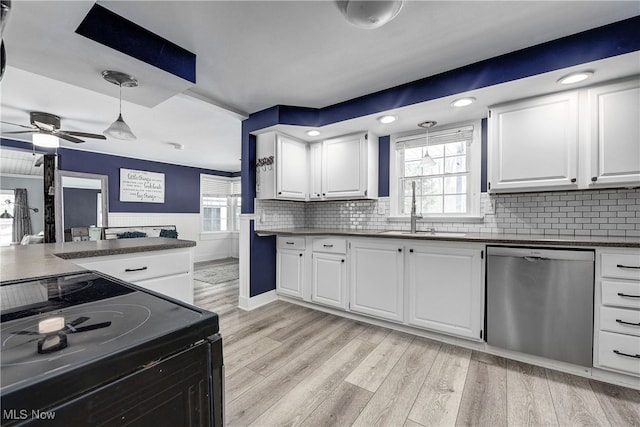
(475, 164)
(232, 207)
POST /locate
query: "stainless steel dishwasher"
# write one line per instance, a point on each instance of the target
(540, 301)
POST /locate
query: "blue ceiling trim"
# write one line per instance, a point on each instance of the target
(110, 29)
(591, 45)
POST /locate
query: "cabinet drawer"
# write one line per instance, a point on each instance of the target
(329, 245)
(141, 267)
(290, 242)
(621, 294)
(621, 266)
(619, 352)
(620, 320)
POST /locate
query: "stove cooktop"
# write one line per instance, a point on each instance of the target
(55, 325)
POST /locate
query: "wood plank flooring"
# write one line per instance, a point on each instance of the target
(287, 365)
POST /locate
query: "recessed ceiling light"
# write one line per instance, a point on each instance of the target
(463, 102)
(575, 77)
(387, 119)
(313, 133)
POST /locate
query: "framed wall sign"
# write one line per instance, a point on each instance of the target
(141, 186)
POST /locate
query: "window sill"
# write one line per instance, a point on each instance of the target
(466, 218)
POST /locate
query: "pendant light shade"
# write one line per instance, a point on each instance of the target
(6, 215)
(426, 160)
(368, 14)
(119, 129)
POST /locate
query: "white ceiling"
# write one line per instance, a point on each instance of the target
(252, 55)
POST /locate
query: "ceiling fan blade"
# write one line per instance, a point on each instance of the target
(15, 124)
(67, 137)
(82, 134)
(44, 126)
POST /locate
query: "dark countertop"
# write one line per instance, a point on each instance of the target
(41, 260)
(492, 238)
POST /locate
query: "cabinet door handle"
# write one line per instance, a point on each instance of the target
(129, 270)
(619, 353)
(323, 194)
(628, 266)
(328, 246)
(411, 250)
(341, 260)
(573, 179)
(399, 249)
(279, 192)
(594, 178)
(627, 323)
(620, 294)
(300, 254)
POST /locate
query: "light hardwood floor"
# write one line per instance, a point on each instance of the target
(289, 365)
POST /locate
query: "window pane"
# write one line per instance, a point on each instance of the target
(431, 204)
(455, 203)
(455, 164)
(412, 169)
(412, 154)
(431, 186)
(456, 148)
(455, 184)
(436, 150)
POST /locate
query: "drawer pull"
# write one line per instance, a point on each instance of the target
(328, 246)
(289, 243)
(627, 323)
(129, 270)
(620, 294)
(619, 353)
(628, 266)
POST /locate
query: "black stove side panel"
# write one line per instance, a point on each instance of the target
(174, 392)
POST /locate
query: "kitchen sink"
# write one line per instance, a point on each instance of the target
(423, 233)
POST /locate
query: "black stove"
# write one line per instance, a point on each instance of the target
(75, 348)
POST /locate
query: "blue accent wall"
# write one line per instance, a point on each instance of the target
(599, 43)
(110, 29)
(383, 165)
(262, 264)
(182, 183)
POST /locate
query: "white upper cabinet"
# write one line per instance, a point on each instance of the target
(350, 167)
(315, 171)
(287, 177)
(614, 135)
(533, 144)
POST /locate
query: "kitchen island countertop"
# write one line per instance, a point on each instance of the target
(491, 238)
(41, 260)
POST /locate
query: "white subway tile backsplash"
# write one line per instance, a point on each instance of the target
(613, 212)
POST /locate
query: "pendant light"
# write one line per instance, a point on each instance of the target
(119, 129)
(427, 160)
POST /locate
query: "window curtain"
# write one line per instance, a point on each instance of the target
(21, 217)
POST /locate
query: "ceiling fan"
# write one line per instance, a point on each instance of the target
(49, 124)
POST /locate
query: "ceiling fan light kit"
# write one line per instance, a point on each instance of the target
(45, 140)
(119, 129)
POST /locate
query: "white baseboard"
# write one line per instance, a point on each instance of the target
(252, 303)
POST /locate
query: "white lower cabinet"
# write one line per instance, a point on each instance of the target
(169, 272)
(445, 289)
(329, 280)
(377, 276)
(290, 263)
(617, 311)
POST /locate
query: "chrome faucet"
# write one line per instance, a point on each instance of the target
(414, 216)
